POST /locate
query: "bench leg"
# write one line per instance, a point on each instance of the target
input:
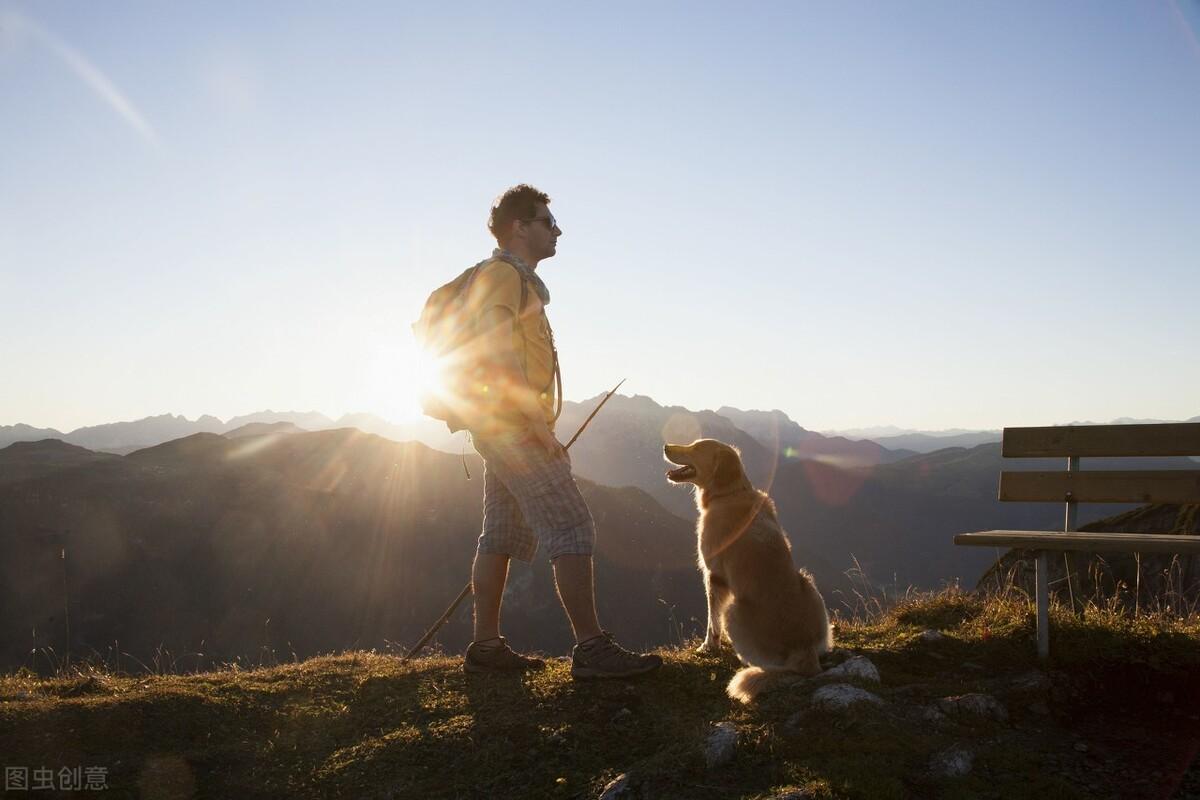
(1043, 605)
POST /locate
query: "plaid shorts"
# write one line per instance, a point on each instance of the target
(530, 495)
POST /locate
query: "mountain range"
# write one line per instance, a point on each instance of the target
(272, 536)
(774, 429)
(303, 543)
(900, 439)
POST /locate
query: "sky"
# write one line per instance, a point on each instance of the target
(928, 214)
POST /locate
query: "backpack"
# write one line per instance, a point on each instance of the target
(446, 332)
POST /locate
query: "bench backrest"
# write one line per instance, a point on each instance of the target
(1075, 485)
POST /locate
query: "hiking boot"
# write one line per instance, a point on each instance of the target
(496, 656)
(601, 657)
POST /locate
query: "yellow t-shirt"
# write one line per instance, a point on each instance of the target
(498, 284)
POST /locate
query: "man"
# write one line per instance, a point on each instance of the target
(529, 493)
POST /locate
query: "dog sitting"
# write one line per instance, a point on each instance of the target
(770, 612)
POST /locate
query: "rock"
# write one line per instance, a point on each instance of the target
(616, 788)
(858, 667)
(974, 705)
(932, 714)
(931, 636)
(836, 656)
(836, 696)
(721, 745)
(953, 762)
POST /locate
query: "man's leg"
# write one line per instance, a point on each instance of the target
(489, 573)
(596, 655)
(551, 505)
(505, 536)
(576, 591)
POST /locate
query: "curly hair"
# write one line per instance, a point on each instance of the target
(516, 202)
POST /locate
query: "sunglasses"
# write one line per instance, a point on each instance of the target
(549, 220)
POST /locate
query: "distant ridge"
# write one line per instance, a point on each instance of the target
(775, 430)
(847, 447)
(26, 433)
(262, 429)
(929, 443)
(197, 447)
(144, 432)
(25, 460)
(305, 420)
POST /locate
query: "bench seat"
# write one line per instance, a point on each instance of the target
(1090, 542)
(1075, 442)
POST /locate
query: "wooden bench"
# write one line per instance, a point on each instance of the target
(1076, 485)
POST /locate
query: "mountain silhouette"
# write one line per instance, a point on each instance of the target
(779, 433)
(26, 433)
(24, 460)
(262, 429)
(303, 543)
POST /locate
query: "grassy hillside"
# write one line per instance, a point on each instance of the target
(1115, 714)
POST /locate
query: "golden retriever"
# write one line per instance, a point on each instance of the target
(770, 611)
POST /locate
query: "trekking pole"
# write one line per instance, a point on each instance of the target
(595, 411)
(416, 648)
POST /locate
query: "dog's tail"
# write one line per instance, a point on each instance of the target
(749, 682)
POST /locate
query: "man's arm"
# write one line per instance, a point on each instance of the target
(496, 332)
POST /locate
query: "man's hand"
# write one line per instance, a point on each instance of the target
(547, 439)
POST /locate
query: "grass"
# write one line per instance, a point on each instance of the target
(365, 724)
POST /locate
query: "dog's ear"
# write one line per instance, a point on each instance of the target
(727, 469)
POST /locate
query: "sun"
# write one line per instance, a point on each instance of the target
(398, 375)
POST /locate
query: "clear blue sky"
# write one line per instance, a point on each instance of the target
(926, 214)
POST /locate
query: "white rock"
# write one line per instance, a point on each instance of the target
(721, 745)
(837, 696)
(953, 762)
(977, 705)
(616, 788)
(931, 635)
(858, 667)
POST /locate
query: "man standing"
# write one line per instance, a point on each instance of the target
(529, 493)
